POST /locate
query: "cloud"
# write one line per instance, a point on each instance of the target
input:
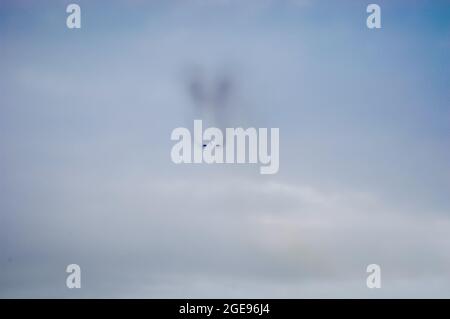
(87, 176)
(166, 237)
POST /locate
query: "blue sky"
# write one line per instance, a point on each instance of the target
(85, 123)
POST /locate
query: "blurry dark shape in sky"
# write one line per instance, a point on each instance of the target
(211, 94)
(196, 89)
(224, 90)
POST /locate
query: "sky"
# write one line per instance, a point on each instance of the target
(86, 175)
